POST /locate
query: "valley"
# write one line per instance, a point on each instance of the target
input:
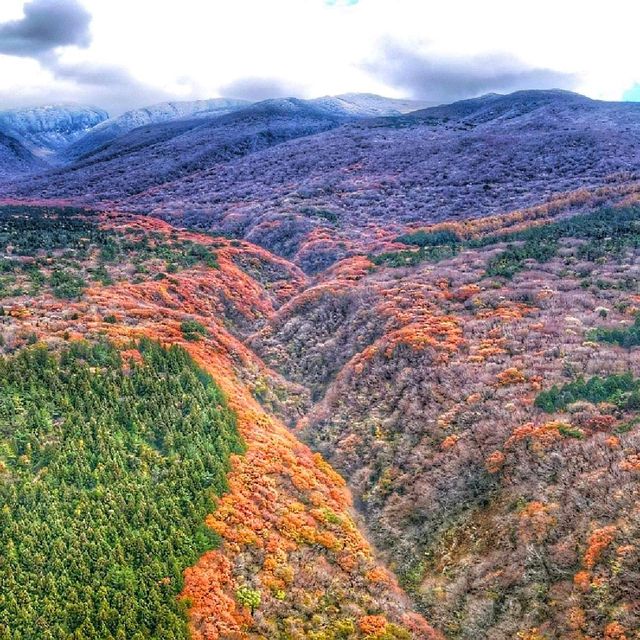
(422, 326)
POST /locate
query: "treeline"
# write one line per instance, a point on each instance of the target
(31, 230)
(625, 337)
(606, 232)
(408, 258)
(623, 390)
(31, 237)
(423, 238)
(107, 472)
(432, 246)
(507, 263)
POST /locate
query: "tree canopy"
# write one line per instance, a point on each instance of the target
(107, 471)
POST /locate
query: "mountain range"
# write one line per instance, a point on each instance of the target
(348, 368)
(279, 170)
(63, 133)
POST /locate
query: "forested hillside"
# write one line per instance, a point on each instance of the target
(109, 468)
(480, 392)
(281, 360)
(128, 408)
(477, 385)
(340, 377)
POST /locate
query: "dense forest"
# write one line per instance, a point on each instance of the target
(478, 386)
(108, 468)
(111, 468)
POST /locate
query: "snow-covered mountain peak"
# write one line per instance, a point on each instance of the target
(49, 129)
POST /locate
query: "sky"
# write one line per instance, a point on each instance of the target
(121, 54)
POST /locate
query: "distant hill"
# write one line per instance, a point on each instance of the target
(369, 104)
(47, 131)
(379, 105)
(63, 133)
(548, 108)
(112, 128)
(264, 171)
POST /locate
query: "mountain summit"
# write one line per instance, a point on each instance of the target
(46, 131)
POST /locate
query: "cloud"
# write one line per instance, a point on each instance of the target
(114, 100)
(97, 75)
(438, 78)
(46, 25)
(259, 89)
(109, 86)
(341, 3)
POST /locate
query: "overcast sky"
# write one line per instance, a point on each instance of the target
(120, 54)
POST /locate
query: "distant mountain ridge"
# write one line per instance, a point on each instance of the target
(168, 141)
(159, 153)
(278, 171)
(48, 130)
(368, 105)
(112, 128)
(60, 134)
(548, 104)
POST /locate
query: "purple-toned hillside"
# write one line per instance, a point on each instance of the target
(275, 171)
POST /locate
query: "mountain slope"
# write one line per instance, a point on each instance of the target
(548, 109)
(16, 159)
(394, 171)
(282, 172)
(148, 157)
(368, 105)
(482, 399)
(476, 381)
(106, 131)
(48, 131)
(280, 555)
(349, 105)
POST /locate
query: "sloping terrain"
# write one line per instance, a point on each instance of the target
(370, 105)
(412, 169)
(353, 104)
(484, 408)
(281, 554)
(478, 386)
(48, 131)
(383, 106)
(15, 159)
(282, 172)
(425, 327)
